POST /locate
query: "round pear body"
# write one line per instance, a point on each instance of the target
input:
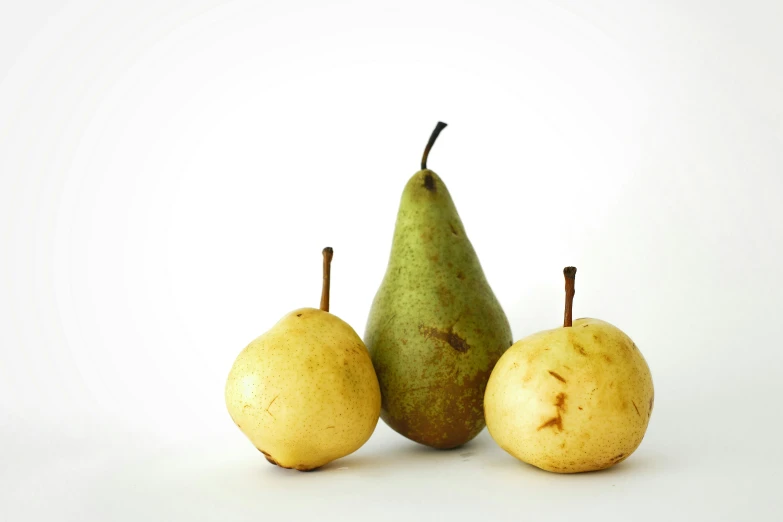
(305, 392)
(435, 329)
(570, 399)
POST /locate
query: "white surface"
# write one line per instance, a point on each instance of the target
(389, 478)
(169, 172)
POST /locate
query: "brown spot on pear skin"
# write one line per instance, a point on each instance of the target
(635, 408)
(579, 348)
(429, 182)
(460, 276)
(269, 458)
(453, 230)
(607, 358)
(298, 467)
(447, 336)
(270, 405)
(556, 422)
(556, 376)
(445, 296)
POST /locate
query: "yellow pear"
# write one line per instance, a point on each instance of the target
(305, 392)
(572, 399)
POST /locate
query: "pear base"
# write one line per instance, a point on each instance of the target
(457, 438)
(269, 458)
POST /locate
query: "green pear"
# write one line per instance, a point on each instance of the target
(576, 398)
(435, 329)
(305, 392)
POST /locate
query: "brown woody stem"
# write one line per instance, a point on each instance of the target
(434, 136)
(570, 274)
(328, 253)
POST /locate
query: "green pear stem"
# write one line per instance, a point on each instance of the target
(434, 136)
(328, 253)
(570, 275)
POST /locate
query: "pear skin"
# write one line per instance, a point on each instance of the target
(435, 329)
(305, 392)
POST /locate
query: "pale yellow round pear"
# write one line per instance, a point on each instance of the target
(305, 393)
(571, 399)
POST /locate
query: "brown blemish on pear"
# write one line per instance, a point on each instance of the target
(557, 376)
(429, 183)
(447, 336)
(557, 422)
(270, 459)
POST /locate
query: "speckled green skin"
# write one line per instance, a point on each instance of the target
(435, 330)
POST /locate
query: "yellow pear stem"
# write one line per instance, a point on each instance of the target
(570, 275)
(328, 253)
(434, 136)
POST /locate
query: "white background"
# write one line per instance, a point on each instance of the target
(170, 171)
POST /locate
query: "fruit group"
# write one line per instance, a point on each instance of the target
(305, 392)
(435, 329)
(571, 399)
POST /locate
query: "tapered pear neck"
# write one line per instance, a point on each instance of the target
(569, 273)
(425, 187)
(434, 136)
(328, 253)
